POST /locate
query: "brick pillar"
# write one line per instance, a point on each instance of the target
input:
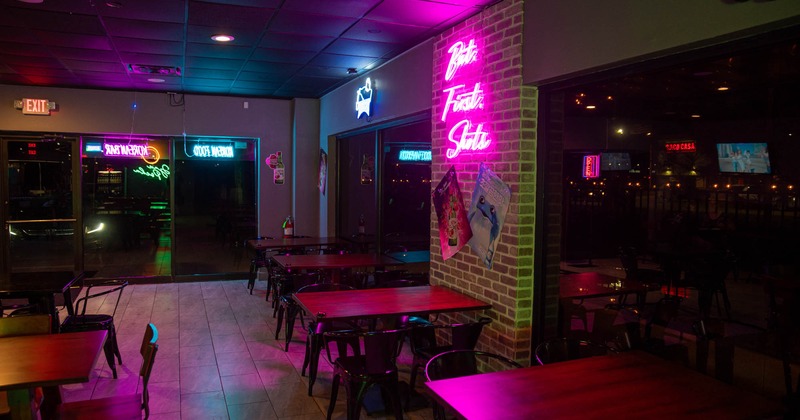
(509, 116)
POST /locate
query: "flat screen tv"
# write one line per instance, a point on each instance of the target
(743, 158)
(618, 161)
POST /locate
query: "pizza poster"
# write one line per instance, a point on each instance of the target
(454, 230)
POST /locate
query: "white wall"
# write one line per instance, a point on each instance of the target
(100, 111)
(306, 166)
(568, 36)
(402, 87)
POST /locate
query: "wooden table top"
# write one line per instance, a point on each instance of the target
(375, 303)
(50, 359)
(332, 261)
(37, 283)
(589, 285)
(626, 385)
(280, 243)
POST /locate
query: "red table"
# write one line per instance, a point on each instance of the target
(45, 360)
(378, 303)
(332, 261)
(627, 385)
(289, 243)
(40, 288)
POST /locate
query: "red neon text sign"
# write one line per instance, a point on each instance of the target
(681, 146)
(465, 98)
(591, 166)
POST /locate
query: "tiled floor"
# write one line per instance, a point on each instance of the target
(217, 358)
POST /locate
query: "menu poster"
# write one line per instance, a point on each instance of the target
(454, 231)
(323, 171)
(487, 212)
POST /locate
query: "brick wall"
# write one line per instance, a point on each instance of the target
(510, 117)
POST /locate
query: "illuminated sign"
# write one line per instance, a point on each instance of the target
(34, 106)
(94, 147)
(591, 166)
(364, 99)
(212, 151)
(681, 146)
(414, 156)
(126, 150)
(466, 100)
(153, 171)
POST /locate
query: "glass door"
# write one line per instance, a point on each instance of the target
(39, 196)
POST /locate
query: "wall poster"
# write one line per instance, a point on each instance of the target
(454, 229)
(323, 171)
(487, 212)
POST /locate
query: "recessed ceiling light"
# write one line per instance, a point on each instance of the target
(222, 38)
(32, 1)
(154, 80)
(695, 115)
(590, 107)
(722, 88)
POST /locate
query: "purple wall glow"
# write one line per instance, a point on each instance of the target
(464, 106)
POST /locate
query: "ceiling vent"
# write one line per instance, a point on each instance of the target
(162, 70)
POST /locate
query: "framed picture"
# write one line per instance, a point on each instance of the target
(323, 171)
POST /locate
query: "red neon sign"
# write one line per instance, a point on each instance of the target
(591, 166)
(681, 146)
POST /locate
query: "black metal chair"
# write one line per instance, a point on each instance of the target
(259, 260)
(82, 321)
(286, 306)
(365, 359)
(426, 342)
(122, 406)
(457, 363)
(316, 330)
(564, 349)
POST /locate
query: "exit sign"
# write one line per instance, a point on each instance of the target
(31, 106)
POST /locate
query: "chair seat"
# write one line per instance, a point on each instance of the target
(88, 319)
(118, 408)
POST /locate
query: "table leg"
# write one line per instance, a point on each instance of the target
(21, 403)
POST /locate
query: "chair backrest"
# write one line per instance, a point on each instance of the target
(607, 331)
(25, 325)
(563, 349)
(457, 363)
(114, 286)
(296, 281)
(380, 348)
(462, 336)
(148, 351)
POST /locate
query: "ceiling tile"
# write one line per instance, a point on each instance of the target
(243, 36)
(346, 61)
(151, 59)
(294, 42)
(130, 28)
(272, 68)
(347, 8)
(329, 72)
(18, 60)
(248, 84)
(101, 75)
(306, 23)
(413, 12)
(252, 76)
(371, 30)
(227, 16)
(24, 49)
(62, 22)
(282, 56)
(211, 73)
(93, 42)
(84, 54)
(191, 81)
(273, 4)
(363, 48)
(149, 46)
(214, 63)
(94, 66)
(146, 10)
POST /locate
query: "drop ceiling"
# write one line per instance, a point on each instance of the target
(282, 48)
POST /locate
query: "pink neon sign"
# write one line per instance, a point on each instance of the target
(591, 166)
(132, 150)
(466, 99)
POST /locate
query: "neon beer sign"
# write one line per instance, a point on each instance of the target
(591, 166)
(364, 99)
(464, 103)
